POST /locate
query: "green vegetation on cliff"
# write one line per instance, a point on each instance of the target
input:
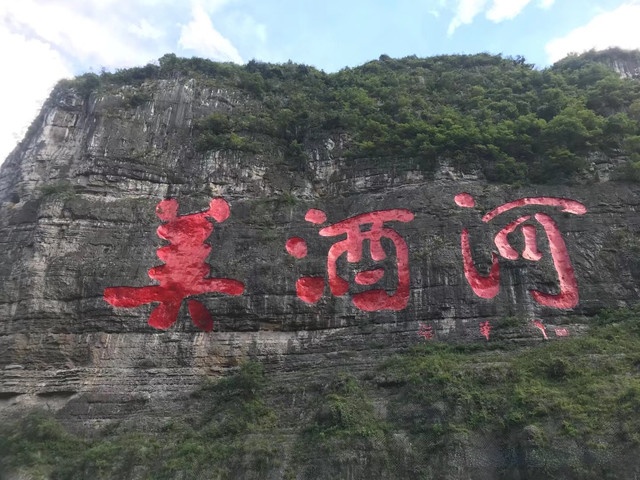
(481, 112)
(568, 408)
(212, 442)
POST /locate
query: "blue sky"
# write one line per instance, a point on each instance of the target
(45, 40)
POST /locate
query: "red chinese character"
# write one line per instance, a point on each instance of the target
(561, 332)
(358, 229)
(488, 286)
(185, 271)
(485, 329)
(425, 331)
(540, 326)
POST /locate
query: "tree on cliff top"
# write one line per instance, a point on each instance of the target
(478, 112)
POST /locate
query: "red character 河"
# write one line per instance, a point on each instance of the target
(488, 286)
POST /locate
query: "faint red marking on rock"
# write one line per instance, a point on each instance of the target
(185, 271)
(561, 332)
(425, 331)
(485, 329)
(540, 326)
(488, 286)
(296, 247)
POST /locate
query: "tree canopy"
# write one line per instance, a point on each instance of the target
(488, 113)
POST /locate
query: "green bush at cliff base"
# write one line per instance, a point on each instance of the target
(345, 412)
(568, 408)
(571, 397)
(220, 438)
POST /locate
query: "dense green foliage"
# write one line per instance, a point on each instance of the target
(568, 408)
(515, 123)
(346, 412)
(209, 442)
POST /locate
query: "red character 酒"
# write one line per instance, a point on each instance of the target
(185, 271)
(358, 229)
(488, 286)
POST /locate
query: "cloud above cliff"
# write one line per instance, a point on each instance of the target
(23, 92)
(616, 28)
(94, 33)
(46, 40)
(121, 33)
(200, 37)
(495, 10)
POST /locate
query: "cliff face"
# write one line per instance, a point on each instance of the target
(78, 217)
(625, 63)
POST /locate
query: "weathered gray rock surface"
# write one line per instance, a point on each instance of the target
(77, 215)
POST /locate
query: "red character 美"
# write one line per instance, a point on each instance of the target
(358, 229)
(488, 286)
(185, 271)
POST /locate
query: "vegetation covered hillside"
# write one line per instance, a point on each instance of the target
(514, 123)
(559, 410)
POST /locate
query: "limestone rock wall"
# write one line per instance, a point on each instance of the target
(77, 203)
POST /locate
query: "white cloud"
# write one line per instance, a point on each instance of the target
(45, 40)
(436, 7)
(246, 27)
(497, 11)
(200, 36)
(145, 30)
(506, 9)
(35, 68)
(465, 13)
(90, 34)
(213, 5)
(617, 28)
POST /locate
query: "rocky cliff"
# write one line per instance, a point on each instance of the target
(79, 220)
(625, 63)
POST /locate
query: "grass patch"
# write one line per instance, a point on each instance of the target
(345, 412)
(61, 189)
